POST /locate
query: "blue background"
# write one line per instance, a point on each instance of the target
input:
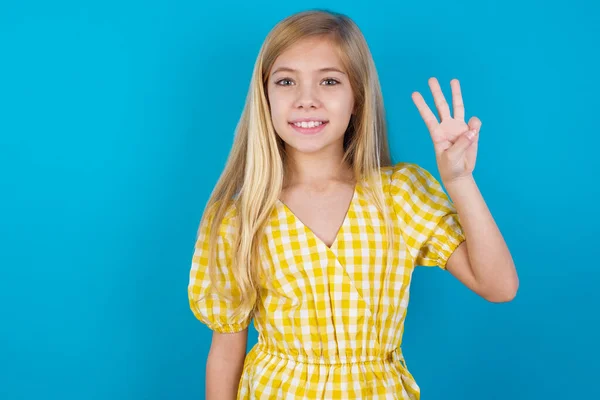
(116, 119)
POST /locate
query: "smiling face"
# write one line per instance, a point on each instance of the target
(310, 97)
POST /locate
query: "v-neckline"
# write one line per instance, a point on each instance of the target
(340, 230)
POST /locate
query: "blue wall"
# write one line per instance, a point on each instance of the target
(116, 119)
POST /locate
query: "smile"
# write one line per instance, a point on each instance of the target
(308, 127)
(308, 124)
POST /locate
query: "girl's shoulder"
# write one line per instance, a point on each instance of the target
(406, 174)
(228, 220)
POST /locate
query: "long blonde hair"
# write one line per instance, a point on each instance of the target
(253, 175)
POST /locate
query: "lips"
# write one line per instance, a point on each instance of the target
(308, 119)
(309, 130)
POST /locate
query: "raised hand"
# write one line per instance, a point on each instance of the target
(454, 141)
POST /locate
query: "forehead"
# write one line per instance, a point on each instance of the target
(310, 54)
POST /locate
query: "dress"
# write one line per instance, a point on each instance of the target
(330, 323)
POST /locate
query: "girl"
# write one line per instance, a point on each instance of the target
(312, 232)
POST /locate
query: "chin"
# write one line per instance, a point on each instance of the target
(305, 148)
(308, 147)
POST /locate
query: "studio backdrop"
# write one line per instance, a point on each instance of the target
(116, 119)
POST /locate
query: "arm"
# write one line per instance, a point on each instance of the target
(224, 365)
(483, 262)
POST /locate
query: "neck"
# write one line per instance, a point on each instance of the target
(316, 168)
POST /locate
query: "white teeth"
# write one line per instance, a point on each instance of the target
(310, 124)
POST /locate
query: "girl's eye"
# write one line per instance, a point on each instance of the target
(279, 82)
(332, 82)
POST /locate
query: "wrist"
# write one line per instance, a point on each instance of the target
(460, 181)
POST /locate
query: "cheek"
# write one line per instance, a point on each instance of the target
(278, 109)
(278, 116)
(341, 104)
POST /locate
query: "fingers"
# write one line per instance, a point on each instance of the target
(439, 99)
(474, 123)
(430, 120)
(457, 100)
(461, 145)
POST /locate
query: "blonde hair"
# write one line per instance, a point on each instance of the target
(253, 175)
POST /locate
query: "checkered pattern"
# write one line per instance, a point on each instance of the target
(331, 319)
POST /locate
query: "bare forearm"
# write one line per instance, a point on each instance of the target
(224, 365)
(491, 262)
(222, 377)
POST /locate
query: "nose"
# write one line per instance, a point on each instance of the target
(307, 97)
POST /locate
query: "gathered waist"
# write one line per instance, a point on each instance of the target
(390, 357)
(280, 373)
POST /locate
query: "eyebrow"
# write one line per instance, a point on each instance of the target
(326, 69)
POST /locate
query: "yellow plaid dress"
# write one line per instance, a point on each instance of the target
(330, 319)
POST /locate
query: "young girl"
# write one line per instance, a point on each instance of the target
(312, 232)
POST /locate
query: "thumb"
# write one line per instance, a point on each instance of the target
(462, 144)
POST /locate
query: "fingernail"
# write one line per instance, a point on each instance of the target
(471, 134)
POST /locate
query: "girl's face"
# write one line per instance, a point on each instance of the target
(310, 97)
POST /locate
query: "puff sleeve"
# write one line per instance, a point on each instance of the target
(208, 305)
(431, 225)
